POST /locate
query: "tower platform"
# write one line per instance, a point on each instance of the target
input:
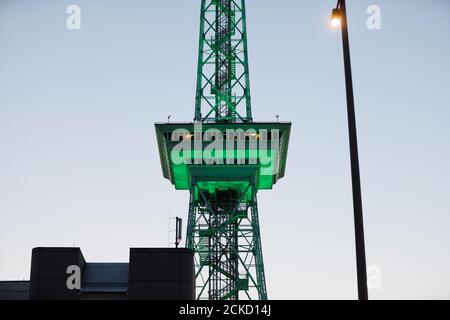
(223, 152)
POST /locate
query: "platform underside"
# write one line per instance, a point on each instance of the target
(223, 152)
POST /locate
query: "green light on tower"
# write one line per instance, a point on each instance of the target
(223, 224)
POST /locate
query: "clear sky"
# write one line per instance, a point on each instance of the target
(78, 155)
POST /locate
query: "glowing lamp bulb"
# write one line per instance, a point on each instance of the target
(335, 18)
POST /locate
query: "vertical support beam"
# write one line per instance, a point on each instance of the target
(246, 64)
(199, 91)
(224, 232)
(260, 273)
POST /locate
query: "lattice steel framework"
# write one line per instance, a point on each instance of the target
(223, 227)
(223, 85)
(223, 230)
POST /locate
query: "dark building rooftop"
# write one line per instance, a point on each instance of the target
(105, 277)
(14, 290)
(151, 274)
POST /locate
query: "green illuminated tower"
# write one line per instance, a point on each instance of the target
(223, 158)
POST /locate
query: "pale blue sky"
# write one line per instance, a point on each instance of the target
(78, 156)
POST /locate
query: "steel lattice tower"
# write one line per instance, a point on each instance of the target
(223, 224)
(223, 85)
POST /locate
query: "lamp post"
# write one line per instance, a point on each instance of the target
(339, 17)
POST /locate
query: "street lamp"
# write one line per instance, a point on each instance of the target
(335, 18)
(339, 17)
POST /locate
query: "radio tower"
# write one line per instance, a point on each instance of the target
(223, 158)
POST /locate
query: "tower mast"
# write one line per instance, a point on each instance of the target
(223, 220)
(223, 84)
